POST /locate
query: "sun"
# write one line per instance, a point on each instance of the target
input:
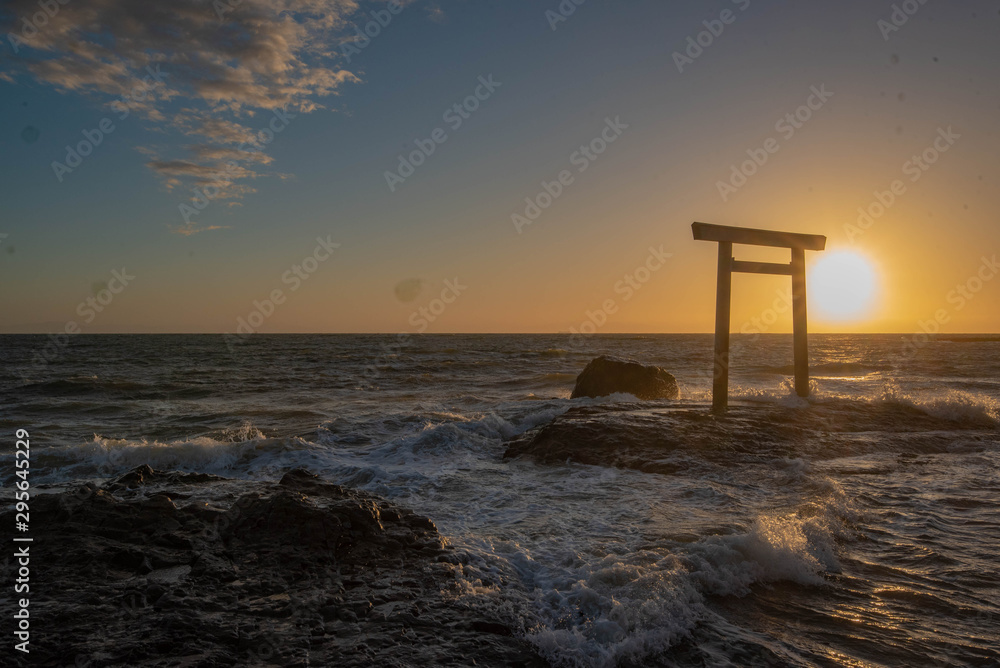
(842, 285)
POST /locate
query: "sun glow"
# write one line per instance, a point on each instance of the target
(842, 285)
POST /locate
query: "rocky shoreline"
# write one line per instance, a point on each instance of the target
(164, 568)
(176, 569)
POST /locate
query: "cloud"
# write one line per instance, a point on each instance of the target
(189, 229)
(247, 54)
(202, 68)
(435, 13)
(223, 154)
(220, 130)
(202, 174)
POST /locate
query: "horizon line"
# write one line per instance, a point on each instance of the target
(570, 334)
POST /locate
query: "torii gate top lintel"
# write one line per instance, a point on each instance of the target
(752, 237)
(798, 243)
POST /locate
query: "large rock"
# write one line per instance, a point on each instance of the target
(666, 439)
(608, 375)
(162, 568)
(653, 441)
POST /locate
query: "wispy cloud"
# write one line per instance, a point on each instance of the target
(220, 65)
(189, 230)
(435, 13)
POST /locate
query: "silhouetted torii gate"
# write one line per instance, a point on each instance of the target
(799, 244)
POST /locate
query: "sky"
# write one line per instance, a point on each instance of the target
(201, 166)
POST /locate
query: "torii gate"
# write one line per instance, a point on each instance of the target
(799, 244)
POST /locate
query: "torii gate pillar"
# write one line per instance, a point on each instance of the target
(798, 244)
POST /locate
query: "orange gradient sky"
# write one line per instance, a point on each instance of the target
(324, 175)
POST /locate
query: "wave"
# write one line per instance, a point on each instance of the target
(430, 441)
(970, 409)
(110, 457)
(830, 368)
(776, 548)
(632, 602)
(424, 442)
(383, 446)
(954, 405)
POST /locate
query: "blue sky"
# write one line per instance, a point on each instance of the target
(325, 171)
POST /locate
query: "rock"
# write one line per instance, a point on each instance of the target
(603, 436)
(668, 439)
(250, 573)
(491, 627)
(144, 475)
(608, 375)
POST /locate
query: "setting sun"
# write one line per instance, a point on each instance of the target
(842, 285)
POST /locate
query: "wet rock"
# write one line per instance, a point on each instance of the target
(491, 627)
(136, 574)
(145, 475)
(602, 436)
(667, 440)
(609, 375)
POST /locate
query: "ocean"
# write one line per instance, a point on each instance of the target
(869, 540)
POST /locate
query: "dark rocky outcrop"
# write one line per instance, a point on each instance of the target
(608, 375)
(653, 441)
(145, 475)
(667, 439)
(167, 569)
